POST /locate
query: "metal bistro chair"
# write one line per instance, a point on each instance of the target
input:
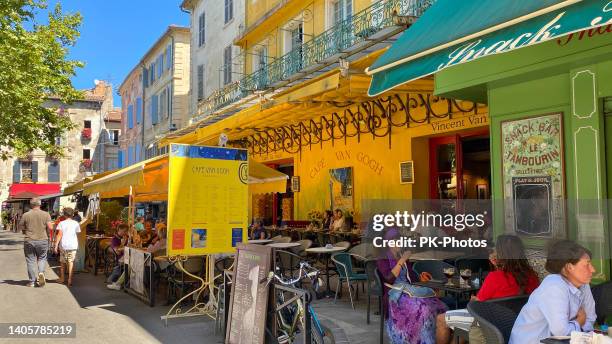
(374, 287)
(178, 280)
(602, 294)
(344, 266)
(304, 245)
(495, 320)
(110, 259)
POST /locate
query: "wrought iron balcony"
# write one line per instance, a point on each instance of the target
(326, 47)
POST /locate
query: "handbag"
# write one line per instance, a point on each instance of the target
(415, 291)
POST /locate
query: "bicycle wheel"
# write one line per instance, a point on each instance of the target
(322, 338)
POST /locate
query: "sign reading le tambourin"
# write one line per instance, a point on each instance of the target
(533, 174)
(207, 199)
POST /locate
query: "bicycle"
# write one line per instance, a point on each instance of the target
(291, 314)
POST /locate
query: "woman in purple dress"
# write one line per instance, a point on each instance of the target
(409, 320)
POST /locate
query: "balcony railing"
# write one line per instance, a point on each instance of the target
(336, 40)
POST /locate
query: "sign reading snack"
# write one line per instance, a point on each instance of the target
(207, 199)
(247, 309)
(533, 175)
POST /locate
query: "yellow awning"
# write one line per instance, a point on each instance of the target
(149, 180)
(78, 186)
(73, 188)
(263, 179)
(121, 180)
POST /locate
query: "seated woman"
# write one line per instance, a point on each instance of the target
(257, 231)
(563, 302)
(338, 224)
(409, 319)
(328, 220)
(513, 276)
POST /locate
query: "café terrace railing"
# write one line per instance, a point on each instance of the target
(341, 37)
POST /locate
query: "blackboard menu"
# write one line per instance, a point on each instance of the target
(249, 297)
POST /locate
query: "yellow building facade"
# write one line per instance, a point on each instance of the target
(313, 120)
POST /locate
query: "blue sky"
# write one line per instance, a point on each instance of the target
(115, 34)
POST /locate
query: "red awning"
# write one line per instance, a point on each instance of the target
(29, 190)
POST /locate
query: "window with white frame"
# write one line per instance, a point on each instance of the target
(229, 10)
(26, 171)
(340, 10)
(201, 29)
(114, 136)
(227, 65)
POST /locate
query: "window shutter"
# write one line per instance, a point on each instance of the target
(145, 78)
(169, 57)
(35, 171)
(120, 159)
(201, 29)
(130, 155)
(53, 171)
(200, 82)
(130, 118)
(16, 171)
(154, 109)
(406, 172)
(138, 110)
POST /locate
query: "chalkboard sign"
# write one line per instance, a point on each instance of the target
(406, 172)
(532, 205)
(249, 297)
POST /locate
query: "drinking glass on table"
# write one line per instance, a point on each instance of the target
(449, 272)
(465, 277)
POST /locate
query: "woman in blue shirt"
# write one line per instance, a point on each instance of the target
(563, 302)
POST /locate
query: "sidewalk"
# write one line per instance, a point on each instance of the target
(105, 316)
(101, 315)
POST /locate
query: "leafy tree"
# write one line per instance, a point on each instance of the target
(34, 66)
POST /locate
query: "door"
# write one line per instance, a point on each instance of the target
(445, 168)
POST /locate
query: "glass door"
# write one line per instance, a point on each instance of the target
(445, 168)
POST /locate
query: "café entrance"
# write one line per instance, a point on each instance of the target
(460, 166)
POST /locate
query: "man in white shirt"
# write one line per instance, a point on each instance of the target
(66, 240)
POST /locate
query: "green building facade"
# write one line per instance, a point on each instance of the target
(550, 108)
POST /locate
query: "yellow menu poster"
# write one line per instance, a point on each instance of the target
(207, 199)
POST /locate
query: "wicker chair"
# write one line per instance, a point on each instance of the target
(602, 294)
(495, 320)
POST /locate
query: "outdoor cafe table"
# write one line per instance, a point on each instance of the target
(555, 341)
(95, 239)
(453, 289)
(260, 241)
(327, 252)
(283, 245)
(436, 255)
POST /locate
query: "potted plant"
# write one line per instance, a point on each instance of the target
(86, 163)
(86, 133)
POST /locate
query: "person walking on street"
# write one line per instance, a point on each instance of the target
(67, 236)
(35, 225)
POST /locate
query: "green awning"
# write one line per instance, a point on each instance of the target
(452, 32)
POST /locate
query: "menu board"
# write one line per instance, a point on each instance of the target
(533, 175)
(249, 300)
(207, 199)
